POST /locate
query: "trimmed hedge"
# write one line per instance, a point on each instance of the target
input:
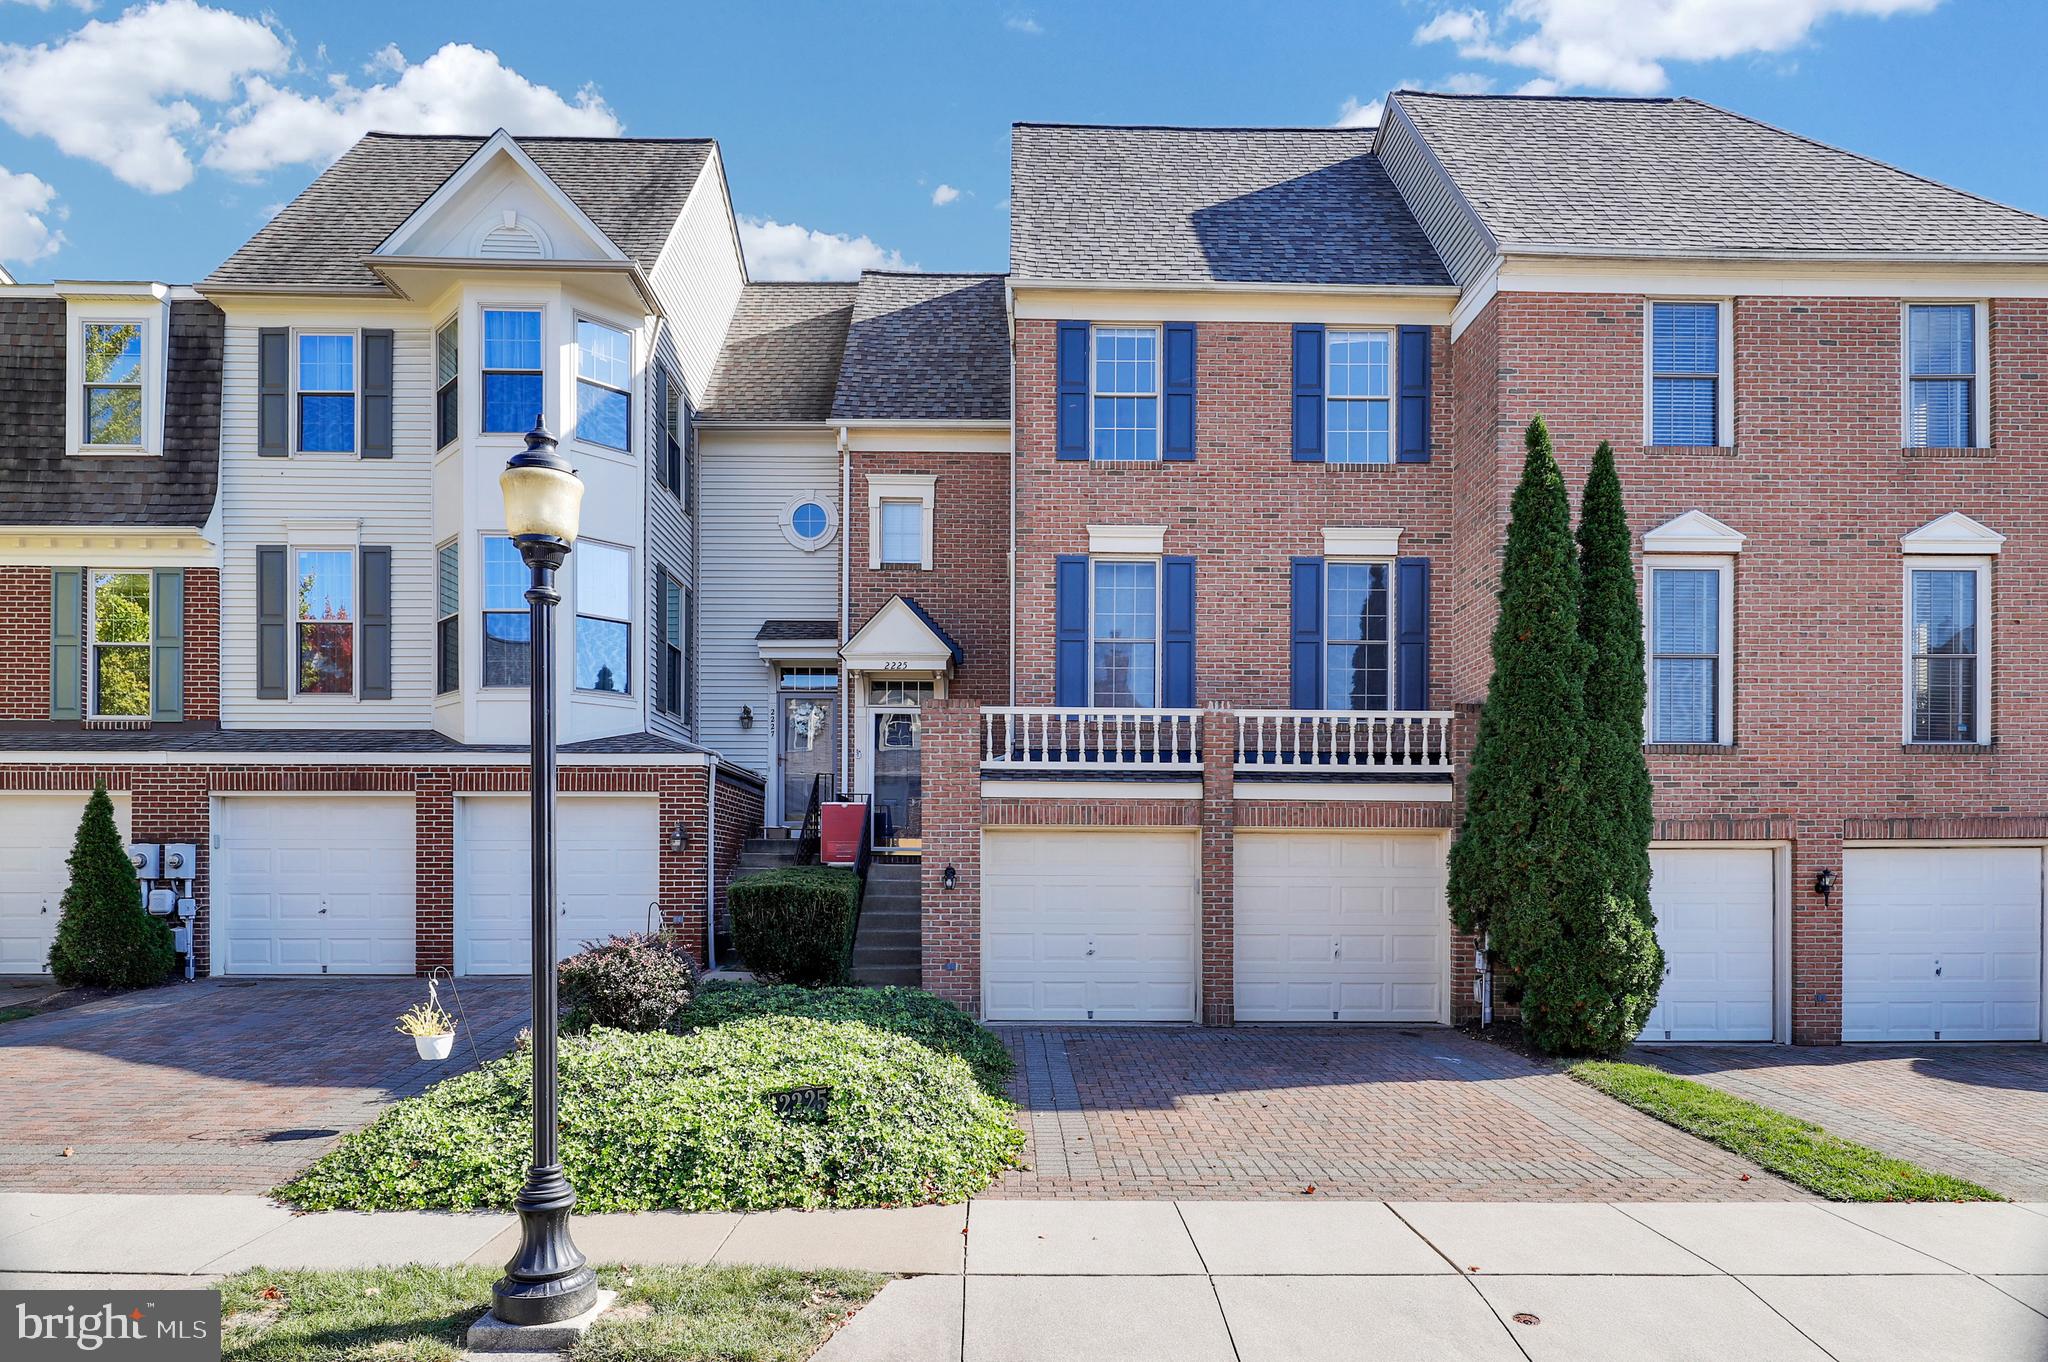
(637, 982)
(655, 1121)
(924, 1017)
(796, 925)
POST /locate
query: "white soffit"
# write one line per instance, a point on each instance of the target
(1693, 532)
(1952, 533)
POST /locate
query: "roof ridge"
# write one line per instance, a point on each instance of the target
(1192, 127)
(1550, 99)
(937, 274)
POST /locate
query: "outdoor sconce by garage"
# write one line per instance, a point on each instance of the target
(678, 838)
(952, 878)
(746, 716)
(1824, 883)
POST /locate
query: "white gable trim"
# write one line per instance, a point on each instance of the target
(1952, 533)
(1693, 532)
(895, 640)
(499, 143)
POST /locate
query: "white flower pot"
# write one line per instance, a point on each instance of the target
(435, 1047)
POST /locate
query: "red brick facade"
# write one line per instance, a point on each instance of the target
(25, 644)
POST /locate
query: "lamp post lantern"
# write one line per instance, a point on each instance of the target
(548, 1279)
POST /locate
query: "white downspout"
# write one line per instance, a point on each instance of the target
(845, 609)
(711, 863)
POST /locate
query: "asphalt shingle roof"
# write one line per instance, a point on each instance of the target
(632, 188)
(1209, 205)
(1675, 176)
(926, 347)
(780, 361)
(797, 631)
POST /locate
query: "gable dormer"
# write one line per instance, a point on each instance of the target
(499, 206)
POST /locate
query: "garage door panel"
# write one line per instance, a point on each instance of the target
(1941, 943)
(607, 870)
(1716, 922)
(313, 885)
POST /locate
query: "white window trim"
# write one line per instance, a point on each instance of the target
(1980, 380)
(632, 376)
(1945, 562)
(316, 538)
(155, 325)
(1158, 622)
(1348, 543)
(787, 521)
(922, 488)
(1724, 373)
(1392, 399)
(483, 609)
(1158, 393)
(93, 644)
(355, 448)
(630, 693)
(1127, 541)
(1724, 636)
(524, 304)
(1393, 629)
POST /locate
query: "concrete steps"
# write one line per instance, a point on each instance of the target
(889, 948)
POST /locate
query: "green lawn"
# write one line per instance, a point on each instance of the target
(1796, 1150)
(16, 1013)
(418, 1314)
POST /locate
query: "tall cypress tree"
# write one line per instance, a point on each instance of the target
(105, 939)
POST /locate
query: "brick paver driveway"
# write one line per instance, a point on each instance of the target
(1257, 1112)
(219, 1085)
(1977, 1111)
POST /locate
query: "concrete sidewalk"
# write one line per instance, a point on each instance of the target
(1232, 1281)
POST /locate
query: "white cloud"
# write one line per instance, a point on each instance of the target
(783, 250)
(1464, 83)
(119, 92)
(944, 195)
(26, 205)
(1024, 23)
(83, 6)
(458, 89)
(1356, 115)
(1623, 45)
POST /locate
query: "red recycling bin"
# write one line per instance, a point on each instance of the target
(839, 832)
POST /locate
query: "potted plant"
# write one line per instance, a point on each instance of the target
(431, 1028)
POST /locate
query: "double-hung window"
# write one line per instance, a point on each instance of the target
(1685, 374)
(604, 633)
(326, 613)
(1689, 652)
(671, 645)
(668, 392)
(1123, 634)
(511, 372)
(604, 377)
(120, 644)
(113, 385)
(1948, 614)
(1126, 393)
(1360, 400)
(1941, 376)
(1358, 635)
(448, 618)
(327, 392)
(447, 384)
(508, 625)
(903, 533)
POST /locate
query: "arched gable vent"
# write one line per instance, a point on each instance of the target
(511, 240)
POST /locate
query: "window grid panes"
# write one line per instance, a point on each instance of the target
(902, 532)
(447, 383)
(810, 521)
(1685, 655)
(604, 634)
(1941, 358)
(113, 384)
(604, 373)
(326, 621)
(891, 692)
(1124, 629)
(808, 678)
(1126, 393)
(1945, 655)
(448, 618)
(671, 434)
(1685, 373)
(1358, 640)
(508, 625)
(120, 644)
(672, 645)
(327, 394)
(511, 373)
(1360, 401)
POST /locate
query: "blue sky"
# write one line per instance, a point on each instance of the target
(148, 141)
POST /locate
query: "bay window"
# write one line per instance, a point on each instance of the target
(604, 603)
(512, 382)
(508, 625)
(604, 377)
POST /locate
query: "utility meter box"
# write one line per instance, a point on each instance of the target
(181, 860)
(146, 857)
(162, 902)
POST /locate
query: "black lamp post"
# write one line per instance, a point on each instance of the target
(548, 1280)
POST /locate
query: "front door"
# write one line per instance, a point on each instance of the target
(806, 751)
(899, 780)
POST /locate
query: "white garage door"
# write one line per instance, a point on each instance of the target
(313, 885)
(607, 870)
(1941, 943)
(1715, 923)
(1089, 926)
(1341, 926)
(36, 834)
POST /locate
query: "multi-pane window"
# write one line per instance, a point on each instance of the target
(448, 618)
(1124, 634)
(508, 622)
(671, 645)
(327, 393)
(689, 672)
(669, 434)
(1126, 393)
(120, 644)
(447, 385)
(511, 373)
(326, 621)
(903, 532)
(1360, 400)
(604, 374)
(1687, 655)
(1358, 636)
(1685, 373)
(113, 384)
(1945, 661)
(604, 603)
(1941, 376)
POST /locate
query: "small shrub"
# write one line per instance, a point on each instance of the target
(105, 938)
(795, 925)
(924, 1017)
(637, 982)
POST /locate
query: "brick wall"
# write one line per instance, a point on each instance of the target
(25, 645)
(202, 645)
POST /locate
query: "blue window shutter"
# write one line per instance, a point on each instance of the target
(1308, 395)
(167, 645)
(1177, 686)
(1305, 656)
(1413, 414)
(1070, 630)
(1411, 634)
(1179, 388)
(67, 642)
(1072, 363)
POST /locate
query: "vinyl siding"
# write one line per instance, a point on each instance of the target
(671, 543)
(1460, 241)
(698, 277)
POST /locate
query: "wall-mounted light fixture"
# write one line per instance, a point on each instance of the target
(678, 838)
(952, 878)
(746, 716)
(1824, 883)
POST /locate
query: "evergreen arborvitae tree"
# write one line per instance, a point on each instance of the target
(105, 939)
